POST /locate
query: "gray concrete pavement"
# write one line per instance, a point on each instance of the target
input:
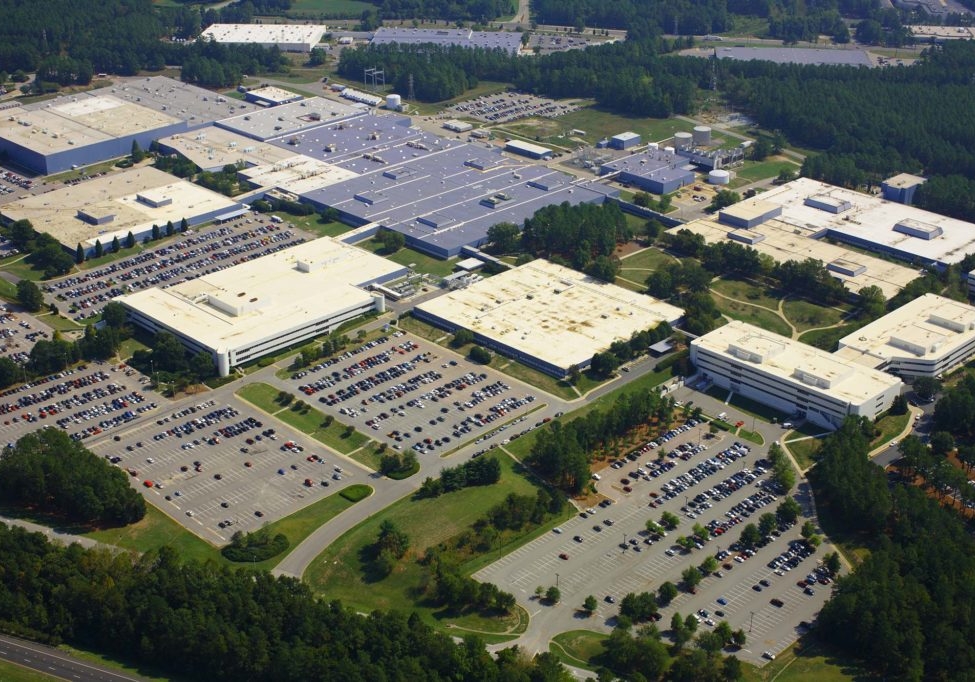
(57, 664)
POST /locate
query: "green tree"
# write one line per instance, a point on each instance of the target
(873, 303)
(504, 237)
(553, 595)
(709, 565)
(691, 578)
(480, 355)
(666, 593)
(767, 523)
(129, 240)
(750, 536)
(155, 232)
(183, 225)
(29, 295)
(926, 387)
(79, 254)
(462, 337)
(589, 604)
(114, 314)
(116, 245)
(392, 241)
(669, 520)
(137, 154)
(99, 249)
(788, 511)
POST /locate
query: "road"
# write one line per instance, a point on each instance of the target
(56, 663)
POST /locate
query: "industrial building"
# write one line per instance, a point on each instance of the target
(509, 41)
(810, 56)
(295, 174)
(901, 188)
(212, 148)
(939, 34)
(532, 151)
(547, 316)
(290, 119)
(262, 306)
(624, 140)
(655, 170)
(928, 336)
(790, 376)
(285, 37)
(85, 128)
(116, 204)
(455, 126)
(270, 96)
(443, 195)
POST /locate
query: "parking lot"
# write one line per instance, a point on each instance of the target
(195, 464)
(509, 106)
(83, 295)
(19, 331)
(607, 551)
(412, 394)
(85, 401)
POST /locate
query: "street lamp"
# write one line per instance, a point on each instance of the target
(751, 621)
(556, 581)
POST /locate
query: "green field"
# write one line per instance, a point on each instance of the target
(890, 427)
(646, 260)
(813, 662)
(804, 451)
(313, 223)
(578, 647)
(805, 315)
(54, 321)
(8, 290)
(341, 571)
(420, 262)
(760, 317)
(746, 292)
(157, 530)
(599, 124)
(310, 422)
(828, 338)
(351, 9)
(754, 171)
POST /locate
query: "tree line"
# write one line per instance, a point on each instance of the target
(474, 472)
(48, 472)
(226, 624)
(904, 610)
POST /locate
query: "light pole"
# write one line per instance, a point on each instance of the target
(556, 581)
(624, 542)
(751, 621)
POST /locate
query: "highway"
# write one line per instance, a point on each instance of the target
(56, 663)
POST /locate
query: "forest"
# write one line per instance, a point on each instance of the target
(905, 610)
(226, 624)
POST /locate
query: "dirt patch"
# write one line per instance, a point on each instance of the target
(623, 250)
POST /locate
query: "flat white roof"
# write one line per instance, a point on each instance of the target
(256, 300)
(870, 219)
(796, 363)
(781, 243)
(214, 147)
(297, 173)
(550, 312)
(273, 94)
(529, 147)
(75, 122)
(943, 32)
(116, 194)
(902, 180)
(927, 328)
(266, 34)
(288, 119)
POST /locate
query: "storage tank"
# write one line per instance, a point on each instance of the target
(394, 102)
(683, 140)
(702, 136)
(719, 177)
(669, 150)
(653, 146)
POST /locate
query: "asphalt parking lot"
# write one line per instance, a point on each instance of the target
(195, 465)
(583, 560)
(84, 401)
(412, 394)
(195, 254)
(509, 106)
(19, 331)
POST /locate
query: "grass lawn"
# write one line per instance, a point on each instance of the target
(806, 315)
(368, 456)
(805, 451)
(8, 290)
(342, 570)
(420, 262)
(157, 530)
(747, 405)
(745, 291)
(599, 124)
(422, 329)
(814, 662)
(760, 317)
(752, 171)
(313, 224)
(310, 422)
(889, 427)
(630, 283)
(11, 672)
(54, 321)
(351, 9)
(578, 647)
(129, 347)
(828, 338)
(21, 269)
(646, 260)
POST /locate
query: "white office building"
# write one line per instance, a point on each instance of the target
(268, 304)
(790, 376)
(929, 336)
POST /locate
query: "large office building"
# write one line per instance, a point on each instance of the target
(790, 376)
(285, 37)
(508, 41)
(262, 306)
(927, 337)
(547, 316)
(116, 204)
(656, 170)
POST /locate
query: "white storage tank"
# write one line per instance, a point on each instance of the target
(394, 102)
(719, 177)
(683, 140)
(702, 136)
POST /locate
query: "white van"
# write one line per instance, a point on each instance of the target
(597, 477)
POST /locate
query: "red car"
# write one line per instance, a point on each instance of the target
(564, 556)
(147, 483)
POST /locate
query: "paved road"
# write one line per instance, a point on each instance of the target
(56, 663)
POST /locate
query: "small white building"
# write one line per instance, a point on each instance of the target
(790, 376)
(285, 37)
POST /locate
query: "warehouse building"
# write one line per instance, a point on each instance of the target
(547, 316)
(265, 305)
(116, 204)
(290, 119)
(809, 56)
(212, 148)
(790, 376)
(656, 170)
(508, 41)
(927, 337)
(270, 96)
(532, 151)
(285, 37)
(624, 140)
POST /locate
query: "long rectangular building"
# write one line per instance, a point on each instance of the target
(926, 337)
(265, 305)
(547, 316)
(791, 376)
